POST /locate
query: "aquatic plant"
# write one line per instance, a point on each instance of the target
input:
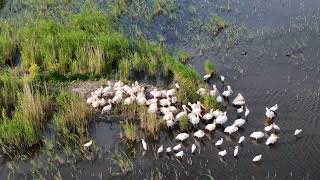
(123, 160)
(184, 123)
(216, 24)
(209, 67)
(209, 102)
(130, 131)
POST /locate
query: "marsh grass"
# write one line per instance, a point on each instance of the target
(209, 102)
(149, 121)
(216, 24)
(184, 124)
(7, 43)
(156, 175)
(183, 56)
(130, 131)
(209, 67)
(123, 160)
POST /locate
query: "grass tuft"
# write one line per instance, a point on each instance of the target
(209, 67)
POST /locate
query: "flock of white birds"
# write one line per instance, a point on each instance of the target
(163, 102)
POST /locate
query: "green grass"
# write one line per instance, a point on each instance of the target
(123, 160)
(7, 44)
(184, 124)
(130, 131)
(209, 67)
(209, 102)
(183, 56)
(216, 24)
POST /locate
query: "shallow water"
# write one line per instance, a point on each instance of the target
(281, 65)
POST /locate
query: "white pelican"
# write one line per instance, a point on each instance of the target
(153, 108)
(171, 92)
(239, 122)
(155, 93)
(208, 116)
(231, 129)
(174, 99)
(169, 149)
(272, 139)
(214, 92)
(118, 84)
(168, 116)
(206, 77)
(219, 142)
(274, 108)
(88, 144)
(160, 150)
(152, 101)
(235, 152)
(239, 100)
(241, 139)
(247, 112)
(297, 131)
(129, 100)
(117, 98)
(194, 119)
(170, 123)
(219, 99)
(210, 127)
(165, 102)
(222, 78)
(92, 99)
(257, 135)
(275, 126)
(141, 100)
(199, 134)
(257, 158)
(216, 113)
(107, 108)
(182, 136)
(240, 110)
(268, 128)
(221, 119)
(202, 91)
(227, 92)
(179, 154)
(269, 113)
(193, 148)
(144, 144)
(222, 153)
(177, 147)
(183, 113)
(98, 92)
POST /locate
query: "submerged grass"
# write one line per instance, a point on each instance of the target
(209, 67)
(123, 160)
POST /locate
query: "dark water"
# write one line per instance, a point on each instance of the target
(280, 65)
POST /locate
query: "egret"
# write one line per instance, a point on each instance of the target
(269, 113)
(206, 77)
(179, 154)
(219, 142)
(268, 128)
(274, 108)
(199, 134)
(227, 92)
(272, 139)
(88, 144)
(182, 136)
(193, 148)
(239, 122)
(275, 126)
(236, 150)
(210, 127)
(222, 118)
(241, 139)
(257, 158)
(240, 110)
(231, 129)
(169, 149)
(222, 153)
(222, 78)
(297, 131)
(144, 144)
(177, 147)
(247, 112)
(160, 150)
(257, 135)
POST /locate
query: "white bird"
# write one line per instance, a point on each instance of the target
(165, 102)
(274, 108)
(153, 108)
(129, 100)
(210, 127)
(222, 118)
(183, 113)
(144, 144)
(170, 123)
(160, 150)
(239, 122)
(275, 126)
(179, 154)
(239, 100)
(297, 131)
(247, 112)
(91, 99)
(193, 148)
(155, 93)
(239, 97)
(222, 78)
(236, 150)
(231, 129)
(219, 99)
(170, 92)
(269, 113)
(272, 139)
(102, 102)
(227, 92)
(95, 104)
(177, 147)
(222, 153)
(169, 149)
(182, 136)
(216, 113)
(202, 91)
(240, 110)
(199, 134)
(88, 144)
(268, 128)
(219, 142)
(208, 116)
(194, 119)
(214, 92)
(257, 135)
(206, 77)
(257, 158)
(241, 139)
(177, 86)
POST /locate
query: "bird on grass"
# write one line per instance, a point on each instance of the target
(144, 144)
